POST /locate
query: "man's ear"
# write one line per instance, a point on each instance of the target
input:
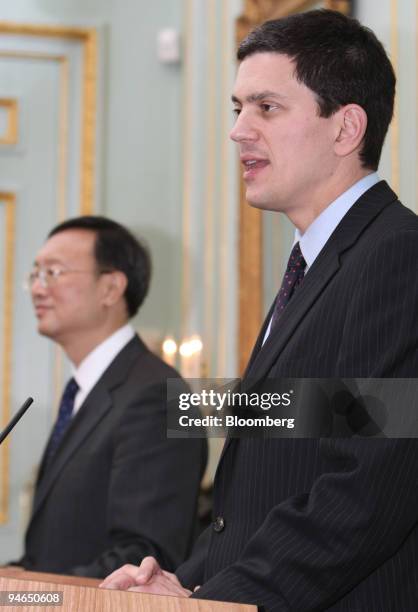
(351, 125)
(114, 285)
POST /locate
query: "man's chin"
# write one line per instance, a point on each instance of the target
(44, 330)
(255, 204)
(259, 203)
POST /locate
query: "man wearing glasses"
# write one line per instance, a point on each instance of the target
(111, 487)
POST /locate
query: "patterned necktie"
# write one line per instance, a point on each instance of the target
(292, 278)
(63, 420)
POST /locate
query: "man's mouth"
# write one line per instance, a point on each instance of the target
(40, 309)
(252, 166)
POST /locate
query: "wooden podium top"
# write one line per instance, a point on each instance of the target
(83, 595)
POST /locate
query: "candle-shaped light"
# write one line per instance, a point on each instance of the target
(169, 351)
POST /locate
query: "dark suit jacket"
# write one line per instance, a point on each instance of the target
(117, 489)
(328, 524)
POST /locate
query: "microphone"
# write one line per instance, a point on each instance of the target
(15, 419)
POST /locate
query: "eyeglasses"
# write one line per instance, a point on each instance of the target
(49, 276)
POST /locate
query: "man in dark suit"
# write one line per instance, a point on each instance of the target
(112, 488)
(318, 524)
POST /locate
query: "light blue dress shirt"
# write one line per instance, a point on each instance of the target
(313, 240)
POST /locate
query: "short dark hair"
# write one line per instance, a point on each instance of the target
(116, 249)
(341, 61)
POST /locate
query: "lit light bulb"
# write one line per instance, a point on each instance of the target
(186, 349)
(169, 346)
(196, 344)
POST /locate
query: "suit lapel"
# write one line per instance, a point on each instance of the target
(97, 404)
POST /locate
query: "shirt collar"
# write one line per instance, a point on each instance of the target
(314, 238)
(98, 360)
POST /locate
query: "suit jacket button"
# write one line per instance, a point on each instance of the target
(218, 524)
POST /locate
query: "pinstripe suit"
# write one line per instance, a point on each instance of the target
(328, 524)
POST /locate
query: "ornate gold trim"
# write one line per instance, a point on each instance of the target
(11, 134)
(250, 301)
(35, 55)
(88, 38)
(46, 31)
(9, 200)
(88, 159)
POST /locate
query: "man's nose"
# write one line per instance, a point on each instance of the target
(244, 129)
(38, 287)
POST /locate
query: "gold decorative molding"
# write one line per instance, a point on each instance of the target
(45, 31)
(8, 200)
(33, 55)
(250, 301)
(11, 133)
(88, 39)
(88, 158)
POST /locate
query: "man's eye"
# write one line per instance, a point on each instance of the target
(236, 111)
(266, 108)
(53, 272)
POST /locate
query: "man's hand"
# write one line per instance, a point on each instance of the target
(129, 576)
(147, 578)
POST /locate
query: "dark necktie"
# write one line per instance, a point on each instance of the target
(63, 420)
(292, 278)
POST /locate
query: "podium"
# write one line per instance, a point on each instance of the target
(83, 595)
